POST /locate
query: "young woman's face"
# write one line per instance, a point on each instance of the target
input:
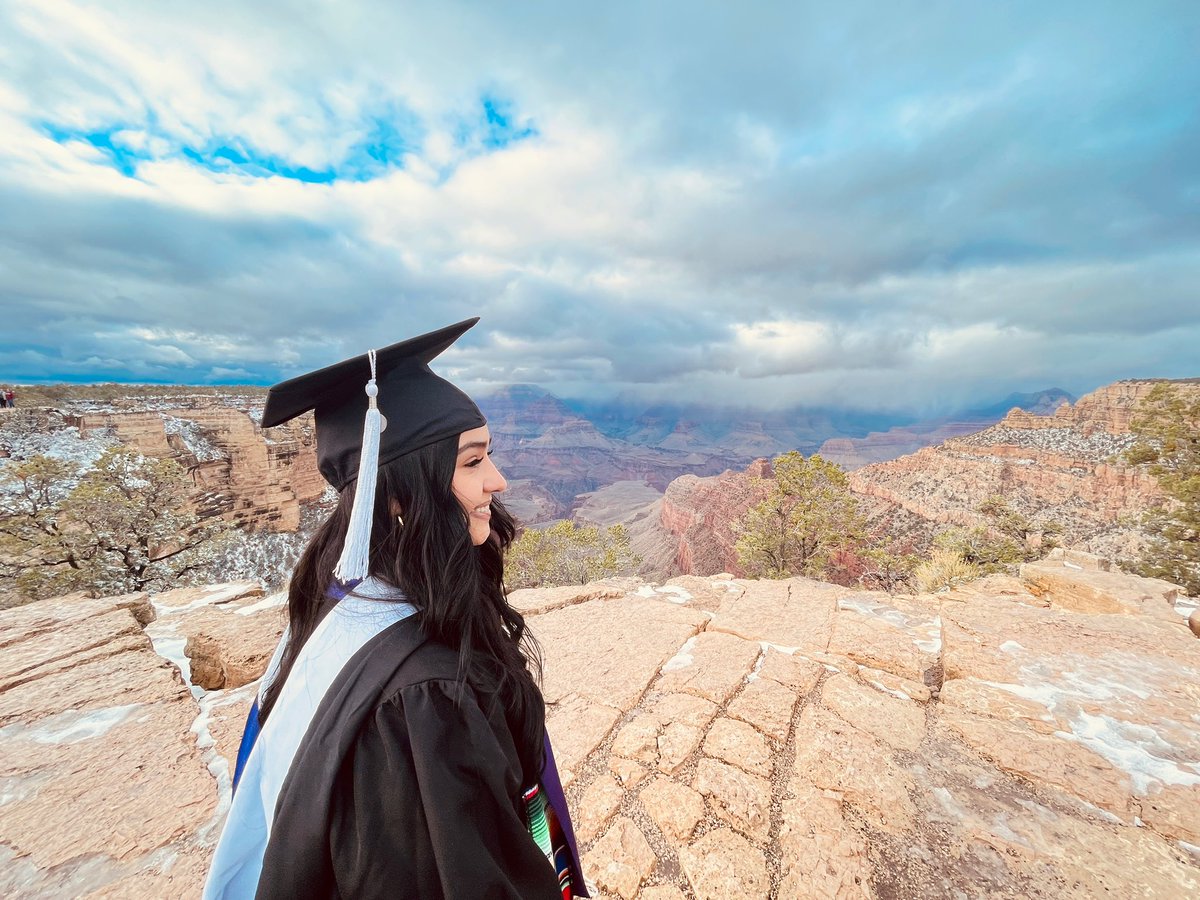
(476, 478)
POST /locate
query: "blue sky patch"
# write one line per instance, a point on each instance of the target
(388, 138)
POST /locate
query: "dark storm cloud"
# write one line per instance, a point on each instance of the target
(769, 203)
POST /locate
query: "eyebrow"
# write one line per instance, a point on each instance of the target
(474, 445)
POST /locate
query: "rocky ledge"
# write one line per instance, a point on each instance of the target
(718, 737)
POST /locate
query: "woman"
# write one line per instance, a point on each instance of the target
(398, 748)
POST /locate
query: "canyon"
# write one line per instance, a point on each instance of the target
(1064, 467)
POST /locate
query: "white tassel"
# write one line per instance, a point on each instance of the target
(352, 565)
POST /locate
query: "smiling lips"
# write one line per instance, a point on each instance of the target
(483, 512)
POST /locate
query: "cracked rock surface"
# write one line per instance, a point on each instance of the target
(718, 738)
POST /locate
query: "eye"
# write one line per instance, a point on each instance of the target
(476, 461)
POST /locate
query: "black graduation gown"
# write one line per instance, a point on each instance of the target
(399, 789)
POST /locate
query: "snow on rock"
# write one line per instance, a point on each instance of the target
(1051, 748)
(193, 437)
(102, 779)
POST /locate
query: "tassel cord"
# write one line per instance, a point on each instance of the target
(352, 564)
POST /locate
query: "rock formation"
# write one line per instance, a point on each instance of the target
(115, 769)
(257, 479)
(1064, 467)
(718, 738)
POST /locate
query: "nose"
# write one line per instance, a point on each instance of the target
(495, 483)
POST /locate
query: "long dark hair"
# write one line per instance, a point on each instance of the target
(457, 588)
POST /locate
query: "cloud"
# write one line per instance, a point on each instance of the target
(772, 205)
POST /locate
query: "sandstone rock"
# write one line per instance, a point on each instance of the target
(696, 514)
(894, 684)
(675, 808)
(1099, 591)
(833, 755)
(629, 773)
(256, 483)
(821, 855)
(1002, 833)
(533, 601)
(686, 708)
(101, 772)
(795, 613)
(767, 705)
(188, 598)
(661, 892)
(797, 672)
(675, 744)
(599, 801)
(231, 646)
(1064, 765)
(873, 630)
(1078, 559)
(711, 666)
(900, 723)
(576, 728)
(740, 745)
(1050, 466)
(608, 651)
(1055, 733)
(621, 860)
(996, 586)
(723, 865)
(703, 593)
(741, 799)
(638, 738)
(1194, 622)
(984, 699)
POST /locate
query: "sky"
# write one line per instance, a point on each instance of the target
(903, 206)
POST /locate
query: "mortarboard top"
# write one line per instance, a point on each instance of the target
(418, 406)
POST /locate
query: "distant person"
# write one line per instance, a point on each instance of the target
(10, 399)
(398, 747)
(3, 399)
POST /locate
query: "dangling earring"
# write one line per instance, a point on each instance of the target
(400, 520)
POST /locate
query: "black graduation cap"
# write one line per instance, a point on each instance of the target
(370, 410)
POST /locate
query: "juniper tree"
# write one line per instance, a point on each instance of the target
(125, 525)
(568, 553)
(807, 515)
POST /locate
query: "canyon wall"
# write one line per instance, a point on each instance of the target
(256, 478)
(1065, 467)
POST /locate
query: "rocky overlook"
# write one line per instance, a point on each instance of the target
(719, 738)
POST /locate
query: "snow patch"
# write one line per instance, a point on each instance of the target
(211, 596)
(682, 659)
(887, 690)
(269, 602)
(674, 593)
(931, 642)
(1011, 647)
(1128, 746)
(950, 804)
(72, 726)
(645, 590)
(193, 438)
